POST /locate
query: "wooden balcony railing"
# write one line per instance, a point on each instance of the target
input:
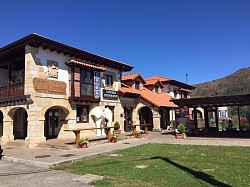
(12, 90)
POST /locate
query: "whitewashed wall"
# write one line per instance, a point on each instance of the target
(63, 69)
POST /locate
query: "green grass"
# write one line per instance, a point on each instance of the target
(170, 165)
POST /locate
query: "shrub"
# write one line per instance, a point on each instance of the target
(117, 125)
(181, 128)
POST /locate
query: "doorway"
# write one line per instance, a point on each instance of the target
(127, 120)
(20, 124)
(51, 124)
(146, 117)
(165, 118)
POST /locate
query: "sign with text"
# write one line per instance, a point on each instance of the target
(110, 94)
(97, 84)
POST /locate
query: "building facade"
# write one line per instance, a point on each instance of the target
(47, 86)
(148, 101)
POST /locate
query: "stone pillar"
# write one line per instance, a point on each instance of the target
(35, 133)
(7, 131)
(156, 121)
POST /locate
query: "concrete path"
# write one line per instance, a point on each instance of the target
(15, 174)
(47, 157)
(30, 167)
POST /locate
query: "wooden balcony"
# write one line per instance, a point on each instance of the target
(12, 90)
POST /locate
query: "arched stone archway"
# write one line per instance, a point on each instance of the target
(54, 119)
(146, 117)
(19, 116)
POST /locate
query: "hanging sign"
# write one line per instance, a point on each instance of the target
(97, 84)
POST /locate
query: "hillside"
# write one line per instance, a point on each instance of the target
(235, 84)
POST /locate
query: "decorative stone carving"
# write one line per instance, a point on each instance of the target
(49, 86)
(52, 69)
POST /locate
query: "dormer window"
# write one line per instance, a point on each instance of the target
(156, 88)
(137, 85)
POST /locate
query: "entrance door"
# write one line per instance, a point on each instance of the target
(20, 124)
(165, 118)
(127, 120)
(146, 117)
(51, 124)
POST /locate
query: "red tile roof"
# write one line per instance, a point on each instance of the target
(153, 82)
(130, 76)
(84, 64)
(158, 77)
(157, 99)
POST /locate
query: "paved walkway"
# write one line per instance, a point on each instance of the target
(47, 157)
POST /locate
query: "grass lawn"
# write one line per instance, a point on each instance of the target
(169, 165)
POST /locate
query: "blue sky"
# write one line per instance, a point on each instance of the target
(206, 39)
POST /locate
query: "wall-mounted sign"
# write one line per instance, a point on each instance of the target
(110, 94)
(97, 84)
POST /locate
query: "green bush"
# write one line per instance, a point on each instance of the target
(181, 128)
(117, 125)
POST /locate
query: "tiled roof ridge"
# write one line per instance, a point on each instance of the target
(157, 77)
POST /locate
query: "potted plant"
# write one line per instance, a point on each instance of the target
(180, 133)
(114, 138)
(84, 142)
(117, 128)
(139, 133)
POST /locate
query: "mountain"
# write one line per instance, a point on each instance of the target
(235, 84)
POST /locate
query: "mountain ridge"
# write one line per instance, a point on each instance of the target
(237, 83)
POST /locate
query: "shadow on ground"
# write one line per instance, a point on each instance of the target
(198, 175)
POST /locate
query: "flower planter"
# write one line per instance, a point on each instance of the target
(139, 136)
(180, 136)
(84, 145)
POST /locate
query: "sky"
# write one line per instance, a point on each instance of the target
(186, 40)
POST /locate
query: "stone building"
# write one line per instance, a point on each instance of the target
(148, 100)
(47, 86)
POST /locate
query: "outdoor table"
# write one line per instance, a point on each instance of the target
(77, 133)
(134, 128)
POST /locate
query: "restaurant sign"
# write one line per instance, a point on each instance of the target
(110, 94)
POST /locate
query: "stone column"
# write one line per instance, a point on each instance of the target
(156, 121)
(35, 132)
(7, 131)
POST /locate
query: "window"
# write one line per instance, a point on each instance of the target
(175, 94)
(156, 88)
(137, 85)
(82, 114)
(108, 80)
(87, 88)
(112, 108)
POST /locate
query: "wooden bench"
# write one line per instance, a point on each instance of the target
(77, 133)
(135, 125)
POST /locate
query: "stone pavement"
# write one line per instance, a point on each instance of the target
(47, 157)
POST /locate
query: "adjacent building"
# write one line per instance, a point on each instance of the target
(147, 101)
